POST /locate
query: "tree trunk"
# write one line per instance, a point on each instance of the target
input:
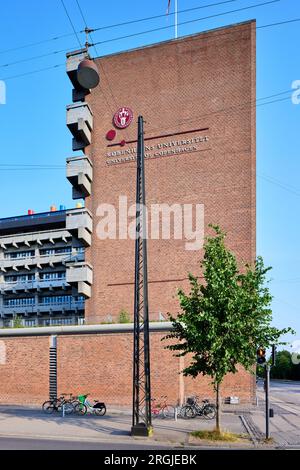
(218, 406)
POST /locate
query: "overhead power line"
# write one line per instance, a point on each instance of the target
(32, 72)
(133, 34)
(55, 38)
(126, 23)
(71, 22)
(213, 34)
(101, 66)
(280, 184)
(187, 22)
(251, 103)
(38, 43)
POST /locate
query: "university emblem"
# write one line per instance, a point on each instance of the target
(123, 118)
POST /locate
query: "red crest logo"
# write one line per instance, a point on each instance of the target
(123, 118)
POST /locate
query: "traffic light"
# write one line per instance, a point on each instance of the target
(261, 356)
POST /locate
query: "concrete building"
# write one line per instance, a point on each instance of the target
(44, 278)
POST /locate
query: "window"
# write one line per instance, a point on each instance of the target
(53, 275)
(62, 321)
(55, 251)
(19, 278)
(19, 302)
(56, 299)
(19, 254)
(30, 322)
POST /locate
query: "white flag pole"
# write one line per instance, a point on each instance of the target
(176, 19)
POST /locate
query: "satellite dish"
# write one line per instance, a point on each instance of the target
(88, 74)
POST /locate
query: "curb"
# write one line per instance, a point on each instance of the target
(130, 440)
(249, 431)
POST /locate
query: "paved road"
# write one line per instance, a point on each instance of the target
(44, 444)
(285, 400)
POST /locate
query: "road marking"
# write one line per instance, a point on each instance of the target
(282, 404)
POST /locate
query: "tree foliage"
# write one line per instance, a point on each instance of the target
(224, 318)
(284, 367)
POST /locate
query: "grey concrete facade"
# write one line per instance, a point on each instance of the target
(44, 279)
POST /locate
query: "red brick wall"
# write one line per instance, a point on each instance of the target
(100, 364)
(203, 81)
(25, 371)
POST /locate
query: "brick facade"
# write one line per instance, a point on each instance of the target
(205, 81)
(100, 364)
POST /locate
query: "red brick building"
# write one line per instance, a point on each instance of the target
(199, 92)
(197, 97)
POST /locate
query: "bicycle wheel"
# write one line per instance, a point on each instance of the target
(168, 412)
(48, 409)
(80, 409)
(209, 412)
(100, 411)
(48, 406)
(188, 412)
(69, 408)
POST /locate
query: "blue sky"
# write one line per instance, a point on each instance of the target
(32, 123)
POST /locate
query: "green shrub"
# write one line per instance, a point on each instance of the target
(124, 317)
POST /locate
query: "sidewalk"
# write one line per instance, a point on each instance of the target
(114, 427)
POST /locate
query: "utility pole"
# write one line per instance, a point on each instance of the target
(141, 412)
(267, 391)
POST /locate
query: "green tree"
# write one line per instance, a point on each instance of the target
(283, 368)
(224, 318)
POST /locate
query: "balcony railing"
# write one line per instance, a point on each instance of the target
(40, 260)
(38, 284)
(28, 239)
(42, 308)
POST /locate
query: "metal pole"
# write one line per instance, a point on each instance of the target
(145, 284)
(141, 422)
(267, 389)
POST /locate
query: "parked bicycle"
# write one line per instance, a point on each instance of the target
(56, 404)
(84, 405)
(161, 408)
(194, 407)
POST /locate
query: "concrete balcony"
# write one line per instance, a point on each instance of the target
(80, 175)
(80, 275)
(17, 264)
(33, 238)
(79, 222)
(43, 308)
(31, 286)
(80, 124)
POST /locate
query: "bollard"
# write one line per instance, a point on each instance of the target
(63, 410)
(175, 414)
